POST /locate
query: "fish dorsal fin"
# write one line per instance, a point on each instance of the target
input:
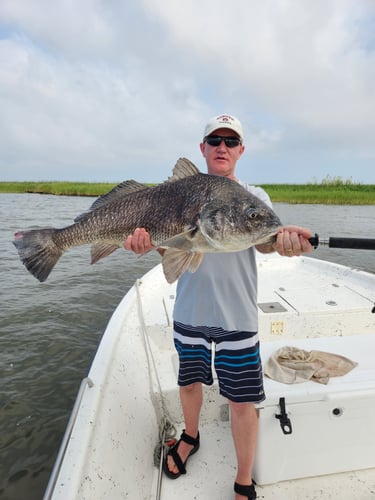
(183, 168)
(117, 192)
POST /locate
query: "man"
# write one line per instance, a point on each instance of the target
(218, 305)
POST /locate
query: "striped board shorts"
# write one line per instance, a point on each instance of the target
(236, 360)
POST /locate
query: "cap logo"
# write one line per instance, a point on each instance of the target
(225, 118)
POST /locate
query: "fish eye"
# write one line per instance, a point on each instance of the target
(251, 212)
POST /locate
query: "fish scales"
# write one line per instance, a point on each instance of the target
(148, 209)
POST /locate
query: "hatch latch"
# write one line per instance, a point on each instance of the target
(285, 423)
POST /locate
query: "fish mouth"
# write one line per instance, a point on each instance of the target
(270, 237)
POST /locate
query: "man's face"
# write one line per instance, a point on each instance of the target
(221, 160)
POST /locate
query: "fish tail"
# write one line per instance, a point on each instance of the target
(37, 251)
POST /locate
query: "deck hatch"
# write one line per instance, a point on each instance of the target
(271, 307)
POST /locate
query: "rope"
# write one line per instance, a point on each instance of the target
(167, 430)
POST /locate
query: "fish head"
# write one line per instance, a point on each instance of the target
(239, 224)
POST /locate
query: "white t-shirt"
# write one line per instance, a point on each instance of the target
(223, 291)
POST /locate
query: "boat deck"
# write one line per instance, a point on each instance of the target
(211, 470)
(108, 451)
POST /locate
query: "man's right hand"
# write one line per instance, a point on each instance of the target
(139, 242)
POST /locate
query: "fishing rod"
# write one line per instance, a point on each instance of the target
(339, 242)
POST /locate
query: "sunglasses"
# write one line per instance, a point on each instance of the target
(215, 140)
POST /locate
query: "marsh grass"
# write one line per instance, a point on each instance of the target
(328, 191)
(351, 194)
(57, 188)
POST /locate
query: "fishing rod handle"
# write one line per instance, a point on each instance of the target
(339, 242)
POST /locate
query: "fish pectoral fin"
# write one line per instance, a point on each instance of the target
(175, 262)
(101, 250)
(195, 261)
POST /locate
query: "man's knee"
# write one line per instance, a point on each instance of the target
(242, 408)
(194, 387)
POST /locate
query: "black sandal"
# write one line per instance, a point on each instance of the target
(246, 491)
(176, 457)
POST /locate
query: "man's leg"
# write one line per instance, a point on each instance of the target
(244, 422)
(191, 397)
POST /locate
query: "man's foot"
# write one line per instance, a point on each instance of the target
(177, 456)
(245, 492)
(183, 449)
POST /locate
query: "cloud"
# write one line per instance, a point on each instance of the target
(96, 90)
(307, 62)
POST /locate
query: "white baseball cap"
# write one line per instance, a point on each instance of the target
(224, 121)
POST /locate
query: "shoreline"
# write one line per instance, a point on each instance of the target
(325, 193)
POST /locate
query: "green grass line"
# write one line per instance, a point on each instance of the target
(333, 192)
(58, 188)
(354, 194)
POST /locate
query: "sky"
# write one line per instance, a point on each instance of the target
(109, 90)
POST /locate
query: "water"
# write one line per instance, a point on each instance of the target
(335, 220)
(49, 332)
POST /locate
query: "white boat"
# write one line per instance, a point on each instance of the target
(129, 402)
